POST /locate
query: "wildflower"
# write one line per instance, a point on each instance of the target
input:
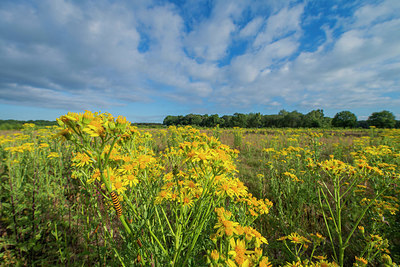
(95, 128)
(298, 239)
(387, 260)
(81, 159)
(239, 251)
(187, 200)
(43, 145)
(293, 264)
(214, 255)
(53, 155)
(360, 261)
(161, 196)
(226, 226)
(119, 186)
(361, 228)
(132, 179)
(265, 262)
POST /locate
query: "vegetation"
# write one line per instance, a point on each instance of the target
(345, 119)
(285, 119)
(99, 191)
(383, 119)
(18, 125)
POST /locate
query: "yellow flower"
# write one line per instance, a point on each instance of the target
(95, 128)
(132, 179)
(162, 196)
(226, 226)
(43, 145)
(239, 251)
(265, 262)
(297, 239)
(214, 255)
(119, 186)
(81, 159)
(361, 261)
(53, 155)
(187, 200)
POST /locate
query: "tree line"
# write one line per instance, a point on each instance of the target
(17, 125)
(294, 119)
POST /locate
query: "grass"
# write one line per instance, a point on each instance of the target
(48, 218)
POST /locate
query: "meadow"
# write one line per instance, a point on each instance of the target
(96, 191)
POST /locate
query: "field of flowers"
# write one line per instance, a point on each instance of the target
(98, 191)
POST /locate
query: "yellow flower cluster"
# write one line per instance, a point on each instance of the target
(93, 124)
(243, 243)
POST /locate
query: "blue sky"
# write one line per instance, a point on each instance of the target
(149, 59)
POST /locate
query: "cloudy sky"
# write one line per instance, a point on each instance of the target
(148, 59)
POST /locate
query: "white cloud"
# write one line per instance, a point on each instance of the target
(251, 28)
(349, 42)
(369, 14)
(211, 38)
(234, 54)
(286, 21)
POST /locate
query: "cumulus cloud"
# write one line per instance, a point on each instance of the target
(236, 54)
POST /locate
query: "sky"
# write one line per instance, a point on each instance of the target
(146, 59)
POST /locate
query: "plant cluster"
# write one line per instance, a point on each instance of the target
(98, 190)
(175, 206)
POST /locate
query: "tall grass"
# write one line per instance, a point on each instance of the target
(187, 198)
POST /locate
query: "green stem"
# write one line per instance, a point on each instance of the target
(362, 216)
(155, 238)
(167, 220)
(326, 223)
(199, 230)
(161, 225)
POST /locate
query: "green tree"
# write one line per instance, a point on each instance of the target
(212, 120)
(383, 119)
(226, 121)
(254, 120)
(344, 119)
(239, 120)
(193, 119)
(271, 120)
(316, 119)
(292, 119)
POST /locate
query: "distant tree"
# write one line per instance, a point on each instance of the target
(226, 121)
(271, 121)
(362, 124)
(344, 119)
(239, 120)
(292, 119)
(171, 120)
(212, 120)
(193, 119)
(316, 119)
(383, 119)
(254, 120)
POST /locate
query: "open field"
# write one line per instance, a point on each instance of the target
(96, 191)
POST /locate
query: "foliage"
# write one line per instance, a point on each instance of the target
(383, 119)
(17, 125)
(284, 119)
(345, 119)
(185, 197)
(173, 200)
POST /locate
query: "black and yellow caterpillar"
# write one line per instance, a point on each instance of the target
(116, 203)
